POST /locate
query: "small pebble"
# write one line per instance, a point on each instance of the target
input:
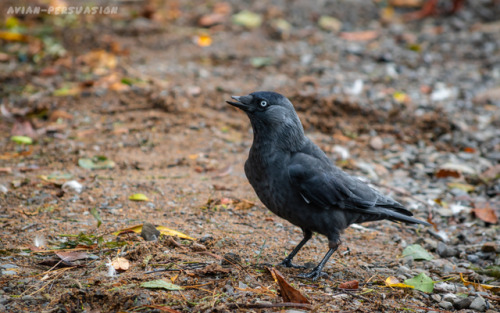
(445, 305)
(436, 297)
(460, 304)
(72, 186)
(489, 247)
(445, 251)
(149, 232)
(478, 304)
(376, 143)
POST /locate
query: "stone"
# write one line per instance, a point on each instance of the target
(489, 247)
(445, 305)
(436, 297)
(149, 232)
(478, 304)
(445, 251)
(462, 303)
(376, 143)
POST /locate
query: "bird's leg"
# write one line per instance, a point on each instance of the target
(316, 272)
(287, 262)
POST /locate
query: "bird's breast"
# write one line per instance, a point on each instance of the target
(266, 172)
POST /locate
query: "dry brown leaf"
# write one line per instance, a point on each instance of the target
(120, 264)
(288, 293)
(243, 204)
(444, 173)
(353, 284)
(359, 36)
(212, 19)
(60, 114)
(70, 256)
(480, 287)
(484, 212)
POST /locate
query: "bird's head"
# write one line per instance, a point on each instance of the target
(270, 113)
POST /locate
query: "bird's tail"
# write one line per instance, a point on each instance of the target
(398, 217)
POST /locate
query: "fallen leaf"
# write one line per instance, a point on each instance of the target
(163, 230)
(259, 62)
(247, 19)
(22, 140)
(479, 286)
(161, 284)
(170, 232)
(288, 293)
(204, 40)
(70, 256)
(392, 281)
(96, 215)
(211, 19)
(138, 197)
(421, 282)
(120, 264)
(67, 91)
(464, 187)
(96, 163)
(406, 3)
(329, 23)
(417, 252)
(243, 204)
(12, 36)
(444, 173)
(353, 284)
(359, 36)
(457, 167)
(60, 114)
(486, 213)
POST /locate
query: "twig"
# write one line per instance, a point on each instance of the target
(233, 306)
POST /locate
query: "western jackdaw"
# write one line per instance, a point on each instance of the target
(295, 179)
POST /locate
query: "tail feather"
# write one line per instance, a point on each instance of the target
(398, 217)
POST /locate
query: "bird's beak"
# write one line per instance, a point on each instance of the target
(244, 102)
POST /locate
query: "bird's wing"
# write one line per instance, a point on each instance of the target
(328, 187)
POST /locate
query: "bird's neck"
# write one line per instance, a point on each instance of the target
(285, 136)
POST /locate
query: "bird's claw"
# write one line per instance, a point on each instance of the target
(288, 263)
(313, 275)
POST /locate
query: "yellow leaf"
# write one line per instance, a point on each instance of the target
(167, 231)
(464, 187)
(11, 36)
(400, 96)
(478, 286)
(138, 197)
(392, 281)
(204, 40)
(163, 230)
(132, 229)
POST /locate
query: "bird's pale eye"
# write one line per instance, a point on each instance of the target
(263, 103)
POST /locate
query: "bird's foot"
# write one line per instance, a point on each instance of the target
(313, 275)
(288, 263)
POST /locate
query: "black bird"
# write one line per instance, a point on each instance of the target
(295, 179)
